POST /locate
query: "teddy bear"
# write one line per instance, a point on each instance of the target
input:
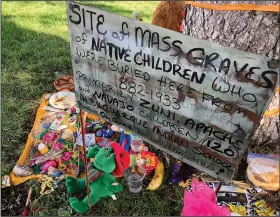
(108, 163)
(169, 15)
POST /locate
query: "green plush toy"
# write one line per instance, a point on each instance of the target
(102, 183)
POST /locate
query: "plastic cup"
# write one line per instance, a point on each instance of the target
(136, 144)
(134, 176)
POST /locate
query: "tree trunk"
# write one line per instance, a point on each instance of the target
(250, 31)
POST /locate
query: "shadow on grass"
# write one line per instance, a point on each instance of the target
(29, 62)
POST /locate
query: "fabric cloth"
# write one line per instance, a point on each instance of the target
(93, 173)
(69, 161)
(122, 158)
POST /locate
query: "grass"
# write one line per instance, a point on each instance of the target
(35, 51)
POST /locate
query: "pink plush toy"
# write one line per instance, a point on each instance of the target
(202, 201)
(51, 163)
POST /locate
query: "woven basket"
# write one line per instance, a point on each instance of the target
(64, 83)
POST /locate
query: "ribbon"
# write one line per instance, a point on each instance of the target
(236, 7)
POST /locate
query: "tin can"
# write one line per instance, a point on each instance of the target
(148, 161)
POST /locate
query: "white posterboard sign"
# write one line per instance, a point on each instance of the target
(198, 101)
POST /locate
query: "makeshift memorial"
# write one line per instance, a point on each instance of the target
(202, 201)
(107, 161)
(172, 111)
(263, 171)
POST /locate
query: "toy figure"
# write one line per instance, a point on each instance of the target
(175, 179)
(125, 140)
(112, 159)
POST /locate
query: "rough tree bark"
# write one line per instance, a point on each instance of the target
(250, 31)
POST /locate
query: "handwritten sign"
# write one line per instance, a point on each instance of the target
(195, 100)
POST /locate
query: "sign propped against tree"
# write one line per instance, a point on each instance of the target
(195, 100)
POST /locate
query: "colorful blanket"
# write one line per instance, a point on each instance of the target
(64, 156)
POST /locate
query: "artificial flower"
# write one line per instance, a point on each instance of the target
(75, 155)
(66, 156)
(184, 184)
(61, 166)
(57, 146)
(49, 137)
(67, 148)
(69, 166)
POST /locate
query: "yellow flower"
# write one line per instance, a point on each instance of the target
(75, 155)
(61, 166)
(184, 184)
(66, 147)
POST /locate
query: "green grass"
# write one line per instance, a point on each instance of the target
(35, 51)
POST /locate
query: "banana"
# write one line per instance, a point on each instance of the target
(158, 177)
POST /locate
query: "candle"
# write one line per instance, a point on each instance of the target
(42, 148)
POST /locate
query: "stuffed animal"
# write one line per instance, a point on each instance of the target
(168, 14)
(112, 159)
